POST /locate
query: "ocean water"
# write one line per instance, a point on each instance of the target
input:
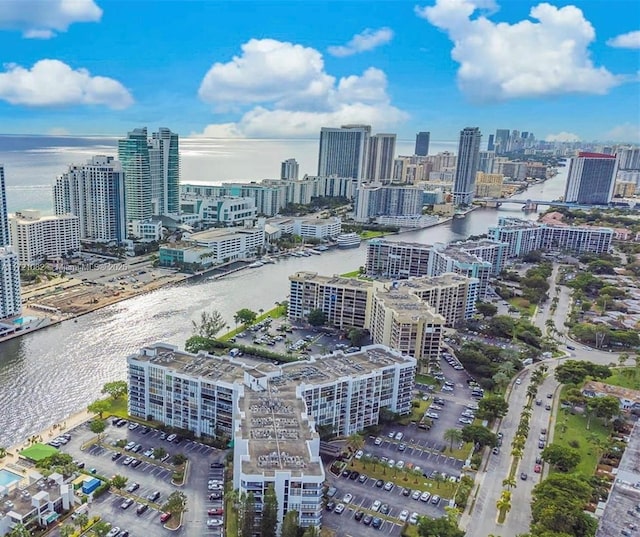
(31, 163)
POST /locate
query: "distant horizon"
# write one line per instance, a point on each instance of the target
(302, 139)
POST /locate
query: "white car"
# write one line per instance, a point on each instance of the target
(413, 519)
(339, 509)
(403, 516)
(518, 381)
(133, 426)
(400, 465)
(377, 441)
(415, 495)
(347, 498)
(214, 522)
(127, 461)
(425, 496)
(113, 532)
(399, 436)
(359, 454)
(376, 505)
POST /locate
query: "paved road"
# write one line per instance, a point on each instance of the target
(482, 521)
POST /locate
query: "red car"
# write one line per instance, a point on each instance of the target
(164, 517)
(537, 468)
(216, 511)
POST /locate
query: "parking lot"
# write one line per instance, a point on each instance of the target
(149, 480)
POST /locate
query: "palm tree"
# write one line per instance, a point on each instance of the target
(452, 435)
(500, 380)
(101, 528)
(507, 368)
(504, 502)
(81, 520)
(67, 531)
(517, 452)
(19, 530)
(509, 482)
(3, 452)
(176, 503)
(355, 442)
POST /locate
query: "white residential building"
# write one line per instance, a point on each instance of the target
(271, 411)
(10, 301)
(213, 247)
(146, 230)
(228, 210)
(38, 237)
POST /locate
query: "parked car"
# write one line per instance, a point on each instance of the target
(164, 517)
(339, 509)
(126, 503)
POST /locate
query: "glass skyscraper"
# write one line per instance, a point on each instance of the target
(10, 301)
(467, 166)
(422, 144)
(133, 154)
(164, 159)
(343, 152)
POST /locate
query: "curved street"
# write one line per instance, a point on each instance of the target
(482, 520)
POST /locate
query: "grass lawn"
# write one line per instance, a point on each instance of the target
(522, 305)
(274, 313)
(426, 379)
(401, 478)
(416, 412)
(352, 274)
(623, 377)
(369, 234)
(231, 518)
(576, 430)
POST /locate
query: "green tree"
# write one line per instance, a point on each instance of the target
(479, 435)
(355, 442)
(356, 335)
(606, 407)
(245, 316)
(504, 501)
(97, 427)
(269, 522)
(81, 520)
(290, 525)
(316, 317)
(115, 389)
(176, 503)
(438, 527)
(118, 482)
(99, 407)
(209, 325)
(311, 531)
(178, 459)
(159, 452)
(509, 482)
(247, 515)
(563, 458)
(67, 530)
(101, 528)
(19, 530)
(486, 309)
(453, 436)
(492, 407)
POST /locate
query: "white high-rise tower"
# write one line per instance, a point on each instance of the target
(10, 301)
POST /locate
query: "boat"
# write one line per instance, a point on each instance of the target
(314, 252)
(267, 260)
(256, 264)
(321, 248)
(348, 240)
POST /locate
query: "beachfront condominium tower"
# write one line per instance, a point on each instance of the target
(591, 179)
(382, 148)
(164, 164)
(467, 166)
(289, 169)
(133, 153)
(343, 151)
(10, 301)
(422, 144)
(94, 192)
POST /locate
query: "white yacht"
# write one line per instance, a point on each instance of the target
(348, 240)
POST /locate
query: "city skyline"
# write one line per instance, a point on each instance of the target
(399, 67)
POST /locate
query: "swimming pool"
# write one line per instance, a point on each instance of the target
(23, 320)
(8, 478)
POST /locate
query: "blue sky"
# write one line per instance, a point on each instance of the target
(281, 69)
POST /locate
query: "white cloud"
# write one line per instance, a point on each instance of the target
(42, 19)
(284, 90)
(366, 40)
(54, 83)
(562, 137)
(628, 40)
(626, 133)
(532, 58)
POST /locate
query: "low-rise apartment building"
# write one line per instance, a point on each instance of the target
(271, 411)
(34, 501)
(37, 237)
(213, 247)
(227, 210)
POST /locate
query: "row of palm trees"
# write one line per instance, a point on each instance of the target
(503, 504)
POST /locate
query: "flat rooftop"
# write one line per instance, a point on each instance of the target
(219, 233)
(332, 280)
(275, 423)
(402, 244)
(625, 494)
(407, 306)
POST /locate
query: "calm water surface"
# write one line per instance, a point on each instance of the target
(48, 375)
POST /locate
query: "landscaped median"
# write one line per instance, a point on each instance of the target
(403, 478)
